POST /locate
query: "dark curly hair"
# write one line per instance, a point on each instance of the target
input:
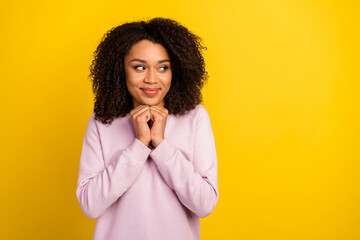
(107, 71)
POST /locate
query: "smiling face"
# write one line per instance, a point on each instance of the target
(148, 73)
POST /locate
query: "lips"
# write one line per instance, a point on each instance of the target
(150, 91)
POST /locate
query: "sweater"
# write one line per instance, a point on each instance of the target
(141, 193)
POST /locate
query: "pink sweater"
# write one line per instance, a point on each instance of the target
(138, 193)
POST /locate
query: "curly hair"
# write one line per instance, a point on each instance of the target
(107, 71)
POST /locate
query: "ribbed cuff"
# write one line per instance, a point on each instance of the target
(162, 152)
(138, 151)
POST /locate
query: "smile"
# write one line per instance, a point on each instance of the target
(150, 91)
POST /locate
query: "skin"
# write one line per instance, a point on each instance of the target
(147, 65)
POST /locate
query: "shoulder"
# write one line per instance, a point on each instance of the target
(199, 113)
(200, 110)
(92, 124)
(99, 124)
(191, 113)
(201, 119)
(92, 120)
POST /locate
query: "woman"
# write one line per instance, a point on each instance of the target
(148, 166)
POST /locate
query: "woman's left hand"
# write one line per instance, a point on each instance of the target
(158, 116)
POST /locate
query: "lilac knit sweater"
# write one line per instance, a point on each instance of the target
(138, 193)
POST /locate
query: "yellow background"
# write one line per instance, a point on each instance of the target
(283, 97)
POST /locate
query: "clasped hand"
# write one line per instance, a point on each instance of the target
(141, 115)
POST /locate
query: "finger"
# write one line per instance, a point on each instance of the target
(138, 108)
(159, 109)
(152, 113)
(143, 114)
(135, 110)
(158, 114)
(138, 111)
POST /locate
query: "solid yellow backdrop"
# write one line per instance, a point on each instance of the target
(283, 97)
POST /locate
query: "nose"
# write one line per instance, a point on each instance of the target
(150, 77)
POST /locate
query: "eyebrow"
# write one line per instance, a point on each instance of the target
(143, 61)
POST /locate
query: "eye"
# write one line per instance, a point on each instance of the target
(163, 68)
(139, 67)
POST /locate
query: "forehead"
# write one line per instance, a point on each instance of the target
(147, 50)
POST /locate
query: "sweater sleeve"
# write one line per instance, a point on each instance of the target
(98, 187)
(195, 184)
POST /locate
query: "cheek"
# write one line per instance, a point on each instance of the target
(169, 84)
(130, 76)
(131, 80)
(167, 80)
(130, 84)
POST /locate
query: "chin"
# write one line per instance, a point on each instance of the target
(154, 104)
(151, 103)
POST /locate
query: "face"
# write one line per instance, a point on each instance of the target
(148, 73)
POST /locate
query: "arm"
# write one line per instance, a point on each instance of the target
(98, 187)
(195, 184)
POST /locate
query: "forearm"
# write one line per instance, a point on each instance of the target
(197, 191)
(98, 188)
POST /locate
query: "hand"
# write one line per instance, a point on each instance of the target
(157, 131)
(139, 118)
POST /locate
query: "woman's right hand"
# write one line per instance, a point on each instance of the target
(139, 118)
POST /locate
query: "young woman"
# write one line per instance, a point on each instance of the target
(148, 166)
